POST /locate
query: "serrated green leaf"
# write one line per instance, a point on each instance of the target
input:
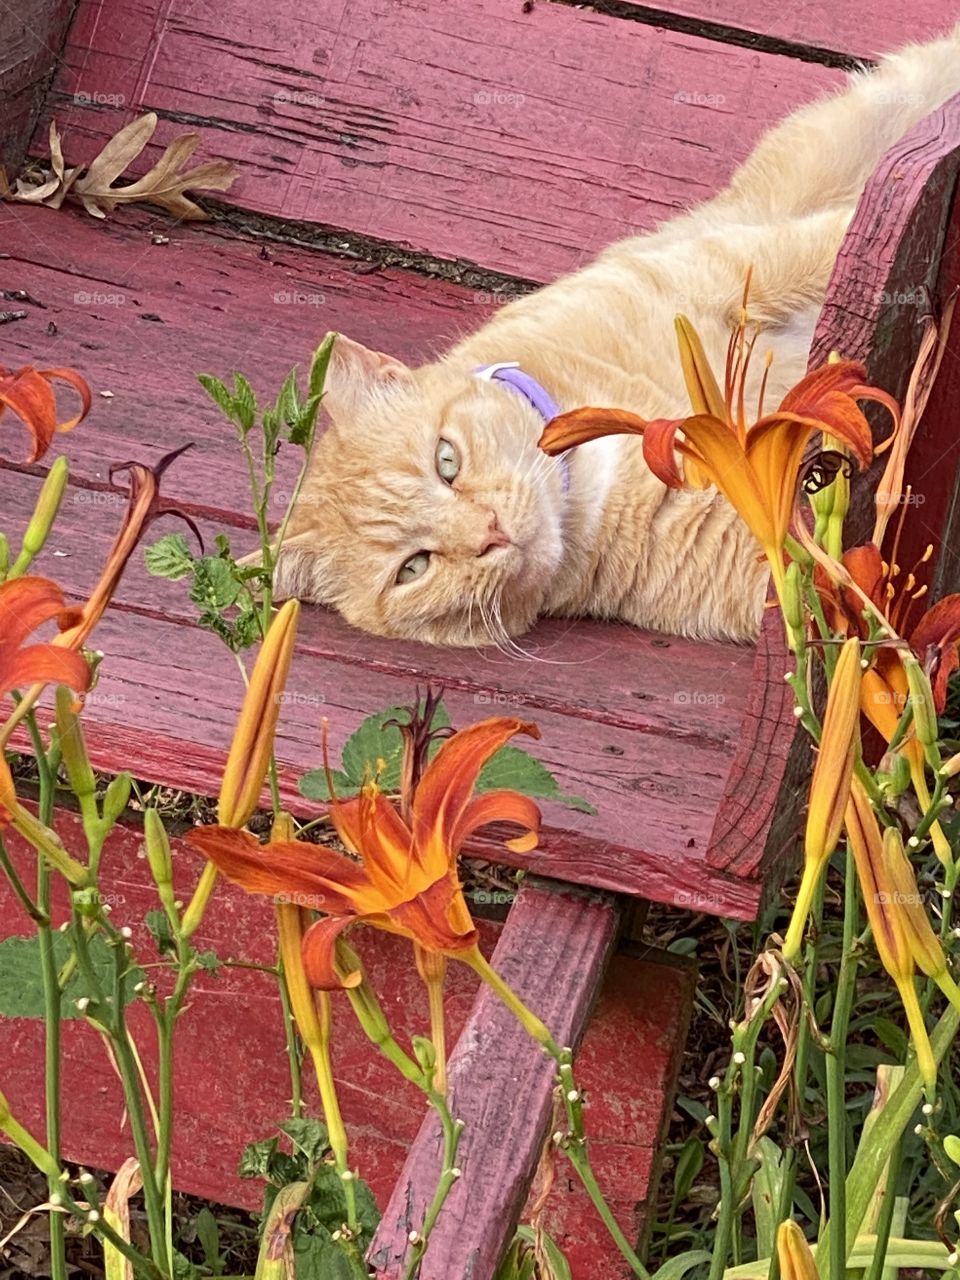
(288, 401)
(218, 393)
(516, 770)
(215, 585)
(310, 1137)
(244, 402)
(377, 741)
(301, 432)
(256, 1158)
(317, 1257)
(169, 557)
(21, 982)
(320, 364)
(209, 961)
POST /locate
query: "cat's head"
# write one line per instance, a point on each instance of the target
(429, 513)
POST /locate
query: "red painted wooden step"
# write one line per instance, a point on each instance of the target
(232, 1082)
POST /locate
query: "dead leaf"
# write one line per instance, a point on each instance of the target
(165, 184)
(116, 1211)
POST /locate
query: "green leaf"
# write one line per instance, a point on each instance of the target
(766, 1193)
(208, 1233)
(317, 1257)
(676, 1268)
(256, 1159)
(209, 961)
(313, 785)
(244, 403)
(951, 1145)
(159, 926)
(169, 557)
(215, 585)
(218, 393)
(689, 1164)
(517, 770)
(21, 981)
(320, 364)
(301, 432)
(308, 1136)
(558, 1263)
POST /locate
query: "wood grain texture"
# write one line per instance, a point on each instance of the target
(230, 1045)
(467, 129)
(31, 37)
(501, 1085)
(839, 26)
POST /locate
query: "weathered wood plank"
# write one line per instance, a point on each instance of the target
(817, 26)
(31, 37)
(553, 951)
(634, 762)
(468, 129)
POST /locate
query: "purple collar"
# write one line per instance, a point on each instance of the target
(510, 373)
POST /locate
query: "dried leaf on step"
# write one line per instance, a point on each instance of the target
(166, 184)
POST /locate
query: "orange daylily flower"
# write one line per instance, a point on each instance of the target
(29, 393)
(404, 878)
(756, 466)
(26, 603)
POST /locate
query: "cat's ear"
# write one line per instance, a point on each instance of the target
(354, 372)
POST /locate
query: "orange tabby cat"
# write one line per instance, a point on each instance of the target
(429, 512)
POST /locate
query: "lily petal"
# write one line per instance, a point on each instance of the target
(501, 806)
(319, 956)
(447, 785)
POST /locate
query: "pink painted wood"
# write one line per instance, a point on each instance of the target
(815, 27)
(467, 129)
(230, 1049)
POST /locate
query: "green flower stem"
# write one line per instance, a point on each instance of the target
(575, 1143)
(449, 1174)
(833, 1263)
(28, 904)
(46, 766)
(138, 1127)
(293, 1048)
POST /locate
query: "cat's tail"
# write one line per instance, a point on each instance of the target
(823, 155)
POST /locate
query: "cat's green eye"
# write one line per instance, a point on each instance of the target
(448, 461)
(415, 567)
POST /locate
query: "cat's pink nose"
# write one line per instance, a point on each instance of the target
(494, 537)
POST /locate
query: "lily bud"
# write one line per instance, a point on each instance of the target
(116, 797)
(924, 943)
(830, 787)
(795, 1255)
(157, 845)
(924, 710)
(893, 777)
(73, 748)
(44, 514)
(888, 909)
(252, 744)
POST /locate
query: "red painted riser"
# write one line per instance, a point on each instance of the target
(232, 1082)
(467, 129)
